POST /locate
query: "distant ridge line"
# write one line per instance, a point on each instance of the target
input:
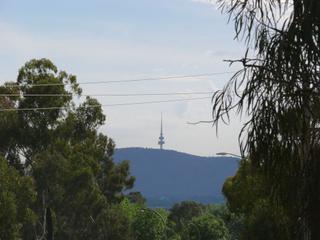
(173, 150)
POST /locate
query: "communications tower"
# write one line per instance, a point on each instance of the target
(161, 138)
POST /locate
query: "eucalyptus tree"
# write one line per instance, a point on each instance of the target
(278, 87)
(55, 141)
(248, 199)
(17, 196)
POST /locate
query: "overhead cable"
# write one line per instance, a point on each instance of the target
(104, 95)
(126, 80)
(104, 105)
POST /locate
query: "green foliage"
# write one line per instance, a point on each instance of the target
(130, 209)
(16, 198)
(34, 129)
(233, 221)
(150, 224)
(266, 222)
(245, 188)
(247, 196)
(279, 88)
(208, 227)
(70, 192)
(183, 212)
(190, 220)
(112, 223)
(145, 223)
(78, 185)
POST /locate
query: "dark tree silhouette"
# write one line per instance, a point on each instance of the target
(279, 88)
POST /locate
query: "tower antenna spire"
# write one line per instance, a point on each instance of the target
(161, 138)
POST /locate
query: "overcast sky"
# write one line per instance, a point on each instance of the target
(103, 40)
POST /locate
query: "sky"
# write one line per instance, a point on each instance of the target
(111, 40)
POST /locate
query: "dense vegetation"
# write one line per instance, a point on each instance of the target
(279, 180)
(186, 220)
(57, 174)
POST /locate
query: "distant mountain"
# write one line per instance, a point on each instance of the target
(166, 176)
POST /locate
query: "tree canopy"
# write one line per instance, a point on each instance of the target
(279, 89)
(66, 170)
(17, 196)
(247, 196)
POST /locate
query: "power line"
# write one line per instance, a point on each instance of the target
(127, 80)
(104, 105)
(105, 94)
